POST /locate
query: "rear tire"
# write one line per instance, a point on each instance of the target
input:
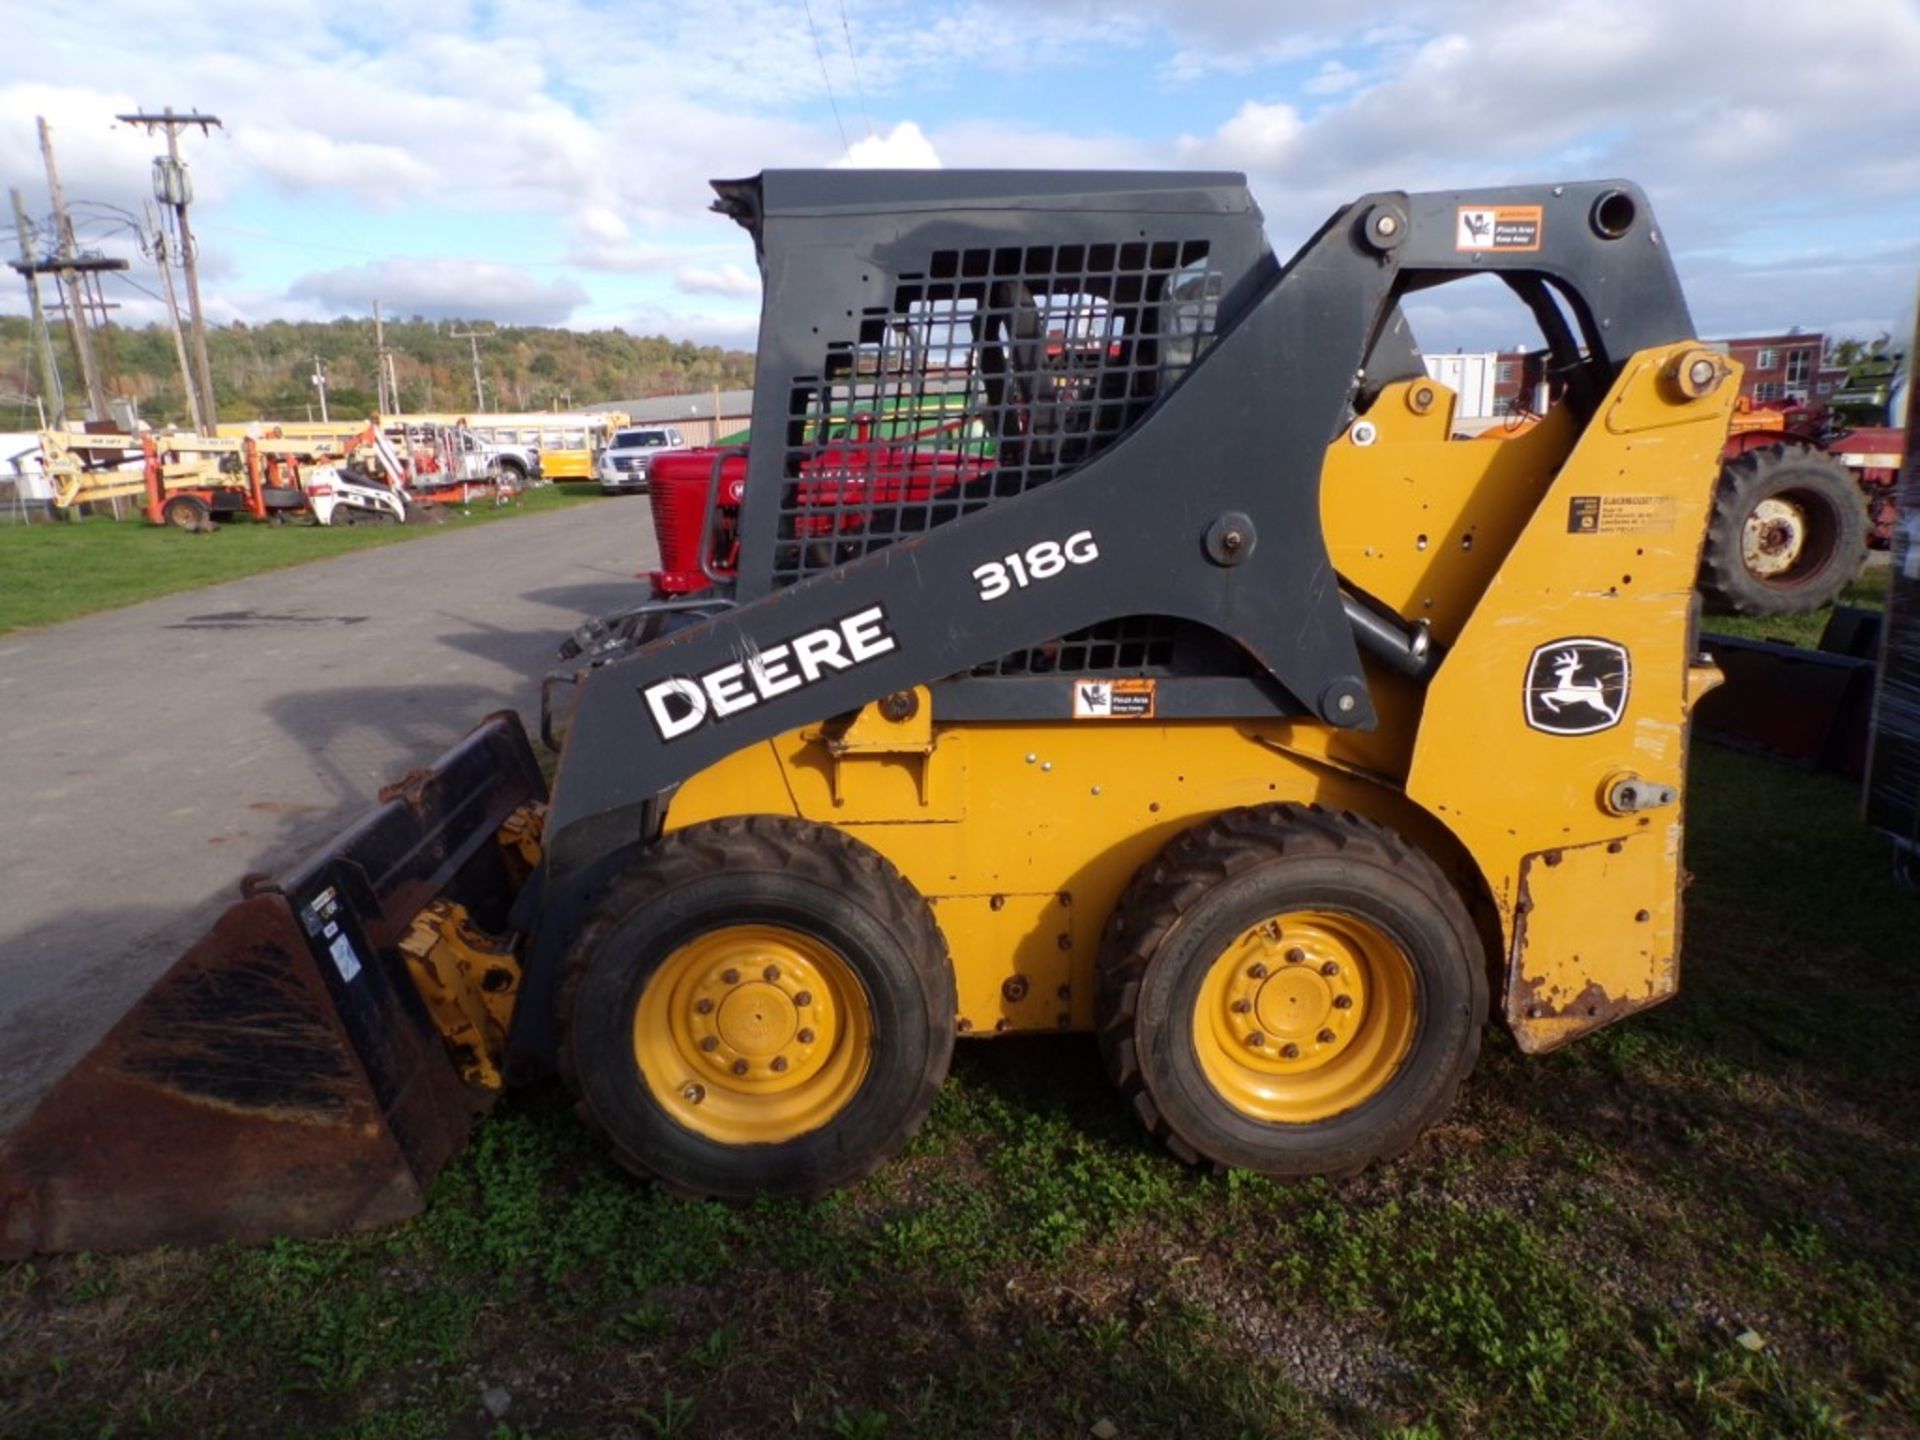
(1787, 535)
(1292, 991)
(759, 1005)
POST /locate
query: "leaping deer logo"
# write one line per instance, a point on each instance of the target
(1588, 691)
(1568, 691)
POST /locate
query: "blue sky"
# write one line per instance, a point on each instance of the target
(544, 161)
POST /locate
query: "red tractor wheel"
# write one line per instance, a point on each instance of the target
(1788, 533)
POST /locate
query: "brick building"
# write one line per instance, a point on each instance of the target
(1787, 368)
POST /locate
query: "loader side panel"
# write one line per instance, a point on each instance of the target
(1022, 836)
(1554, 737)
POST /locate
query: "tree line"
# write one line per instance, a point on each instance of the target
(263, 371)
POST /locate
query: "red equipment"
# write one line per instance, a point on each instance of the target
(696, 496)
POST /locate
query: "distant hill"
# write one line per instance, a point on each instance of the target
(261, 371)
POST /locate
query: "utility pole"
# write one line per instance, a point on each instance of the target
(162, 264)
(171, 186)
(50, 391)
(320, 384)
(70, 281)
(473, 339)
(383, 377)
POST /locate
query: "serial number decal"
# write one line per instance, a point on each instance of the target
(681, 705)
(1042, 561)
(1620, 515)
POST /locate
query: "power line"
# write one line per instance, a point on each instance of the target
(821, 56)
(858, 88)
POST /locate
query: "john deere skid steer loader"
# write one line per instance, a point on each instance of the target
(1115, 637)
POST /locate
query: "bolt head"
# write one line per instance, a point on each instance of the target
(703, 1006)
(805, 1037)
(709, 1043)
(694, 1094)
(1290, 1052)
(1343, 1002)
(1256, 1040)
(1233, 540)
(1346, 704)
(1325, 1037)
(779, 1064)
(803, 999)
(730, 977)
(1256, 971)
(1032, 758)
(739, 1067)
(1296, 956)
(1046, 764)
(772, 972)
(1241, 1007)
(1701, 373)
(1331, 968)
(1385, 225)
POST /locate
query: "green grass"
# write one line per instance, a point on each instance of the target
(1869, 591)
(1578, 1251)
(56, 572)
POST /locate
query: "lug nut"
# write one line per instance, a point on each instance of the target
(739, 1067)
(1330, 969)
(1325, 1037)
(694, 1094)
(1241, 1007)
(1296, 955)
(1256, 1040)
(772, 972)
(709, 1043)
(1343, 1002)
(805, 1037)
(730, 977)
(1290, 1052)
(779, 1063)
(1256, 971)
(803, 999)
(703, 1006)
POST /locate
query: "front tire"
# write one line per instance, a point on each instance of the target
(1292, 991)
(1787, 535)
(759, 1005)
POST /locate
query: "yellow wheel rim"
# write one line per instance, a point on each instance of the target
(1305, 1015)
(753, 1034)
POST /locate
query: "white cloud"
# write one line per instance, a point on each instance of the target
(902, 148)
(729, 280)
(443, 290)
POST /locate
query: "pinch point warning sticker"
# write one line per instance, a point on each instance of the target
(1506, 228)
(1113, 699)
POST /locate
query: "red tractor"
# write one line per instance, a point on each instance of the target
(843, 494)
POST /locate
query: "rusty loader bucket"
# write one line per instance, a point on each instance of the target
(310, 1063)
